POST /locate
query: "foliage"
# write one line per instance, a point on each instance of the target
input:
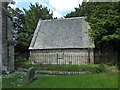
(26, 25)
(101, 68)
(104, 20)
(83, 10)
(32, 16)
(13, 80)
(17, 19)
(94, 68)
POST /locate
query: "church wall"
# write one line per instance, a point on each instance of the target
(6, 49)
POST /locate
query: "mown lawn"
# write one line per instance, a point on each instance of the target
(97, 80)
(65, 67)
(108, 79)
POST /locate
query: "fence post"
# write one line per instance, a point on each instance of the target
(88, 55)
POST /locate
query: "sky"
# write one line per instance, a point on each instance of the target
(59, 7)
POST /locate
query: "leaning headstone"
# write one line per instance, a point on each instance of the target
(30, 74)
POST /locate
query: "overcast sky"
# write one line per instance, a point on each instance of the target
(59, 7)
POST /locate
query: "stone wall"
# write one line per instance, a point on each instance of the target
(0, 37)
(6, 48)
(10, 45)
(4, 41)
(69, 56)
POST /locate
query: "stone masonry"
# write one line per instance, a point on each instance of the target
(6, 42)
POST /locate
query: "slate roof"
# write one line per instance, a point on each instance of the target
(61, 33)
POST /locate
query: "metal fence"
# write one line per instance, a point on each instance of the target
(74, 57)
(60, 58)
(107, 57)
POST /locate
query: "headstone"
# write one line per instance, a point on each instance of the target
(30, 74)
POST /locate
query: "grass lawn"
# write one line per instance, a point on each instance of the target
(67, 67)
(93, 80)
(97, 80)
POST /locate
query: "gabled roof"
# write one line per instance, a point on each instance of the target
(61, 33)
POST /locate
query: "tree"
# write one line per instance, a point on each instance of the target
(25, 23)
(18, 23)
(105, 24)
(104, 19)
(31, 18)
(83, 10)
(17, 19)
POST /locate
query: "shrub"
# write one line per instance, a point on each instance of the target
(67, 67)
(101, 68)
(118, 66)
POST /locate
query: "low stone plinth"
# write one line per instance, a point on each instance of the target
(61, 72)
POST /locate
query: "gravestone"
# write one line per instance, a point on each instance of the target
(30, 74)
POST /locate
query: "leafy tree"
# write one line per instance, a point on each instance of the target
(104, 19)
(32, 16)
(18, 26)
(105, 24)
(17, 19)
(28, 19)
(83, 10)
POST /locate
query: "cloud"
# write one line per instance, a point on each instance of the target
(59, 7)
(16, 1)
(46, 4)
(57, 14)
(12, 6)
(64, 5)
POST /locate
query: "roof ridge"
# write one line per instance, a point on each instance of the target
(64, 19)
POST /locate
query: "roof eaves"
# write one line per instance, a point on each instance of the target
(35, 35)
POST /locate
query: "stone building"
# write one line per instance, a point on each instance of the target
(6, 41)
(62, 41)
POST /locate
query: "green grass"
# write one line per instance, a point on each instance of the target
(54, 67)
(93, 80)
(101, 80)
